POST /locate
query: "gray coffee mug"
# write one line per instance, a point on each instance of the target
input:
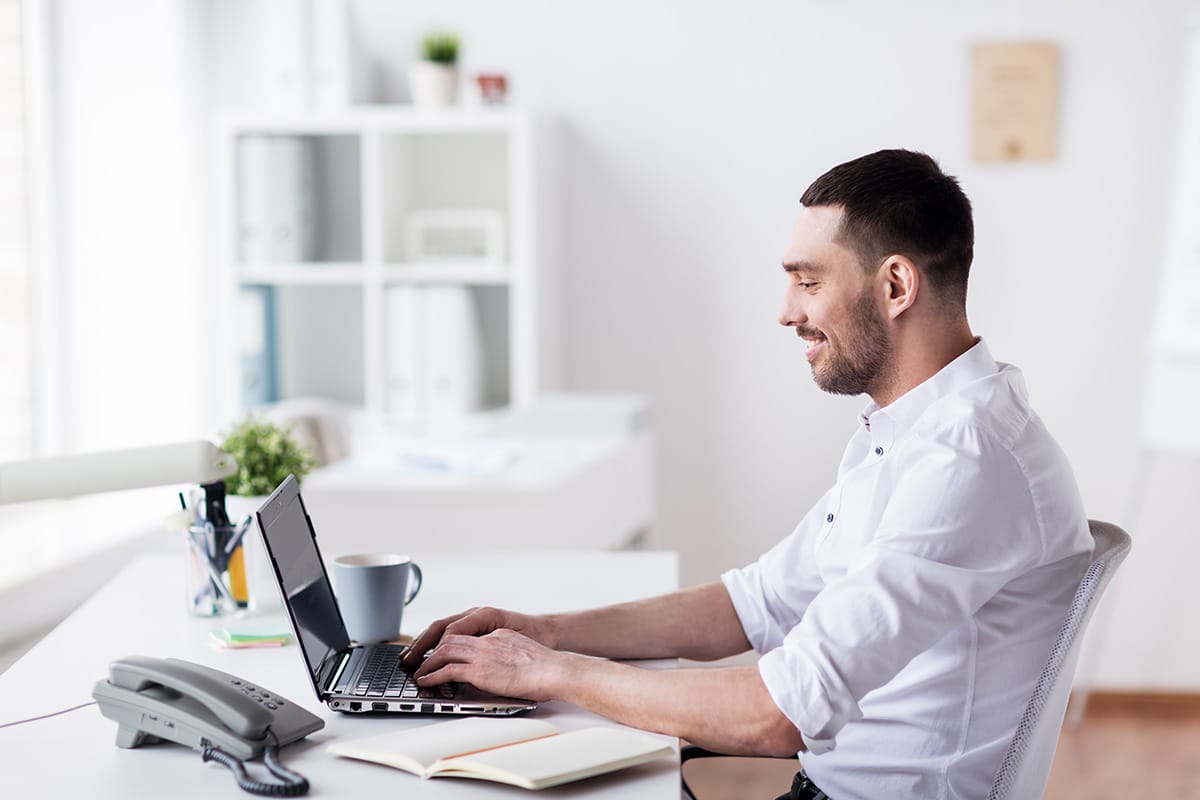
(372, 591)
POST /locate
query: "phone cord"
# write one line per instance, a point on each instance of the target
(294, 784)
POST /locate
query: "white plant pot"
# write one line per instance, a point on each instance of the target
(433, 85)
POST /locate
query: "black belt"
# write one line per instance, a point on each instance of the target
(803, 789)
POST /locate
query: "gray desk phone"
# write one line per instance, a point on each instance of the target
(223, 716)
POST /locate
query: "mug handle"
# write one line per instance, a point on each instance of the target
(414, 573)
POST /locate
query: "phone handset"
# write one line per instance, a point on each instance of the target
(213, 689)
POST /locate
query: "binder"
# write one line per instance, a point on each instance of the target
(405, 384)
(453, 344)
(434, 352)
(256, 328)
(276, 213)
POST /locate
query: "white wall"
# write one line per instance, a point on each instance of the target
(691, 130)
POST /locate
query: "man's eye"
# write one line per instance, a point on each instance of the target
(805, 284)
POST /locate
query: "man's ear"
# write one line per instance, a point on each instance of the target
(901, 282)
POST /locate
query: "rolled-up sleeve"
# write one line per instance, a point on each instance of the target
(768, 609)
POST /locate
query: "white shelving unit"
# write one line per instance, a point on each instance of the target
(327, 317)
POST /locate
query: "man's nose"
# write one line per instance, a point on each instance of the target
(791, 314)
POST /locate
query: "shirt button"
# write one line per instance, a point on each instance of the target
(829, 518)
(878, 451)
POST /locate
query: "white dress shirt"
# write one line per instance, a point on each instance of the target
(905, 620)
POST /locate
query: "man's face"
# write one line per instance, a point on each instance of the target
(833, 305)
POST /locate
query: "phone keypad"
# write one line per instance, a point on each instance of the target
(259, 695)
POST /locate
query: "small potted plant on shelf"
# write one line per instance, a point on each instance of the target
(434, 79)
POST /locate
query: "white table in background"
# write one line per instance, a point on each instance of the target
(142, 611)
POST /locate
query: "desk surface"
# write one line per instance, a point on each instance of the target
(142, 611)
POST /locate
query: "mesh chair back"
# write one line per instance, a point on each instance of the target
(1026, 765)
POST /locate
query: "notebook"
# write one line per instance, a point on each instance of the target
(523, 752)
(348, 677)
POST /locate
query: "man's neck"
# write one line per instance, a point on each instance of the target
(920, 355)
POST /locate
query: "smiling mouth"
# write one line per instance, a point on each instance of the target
(813, 340)
(814, 347)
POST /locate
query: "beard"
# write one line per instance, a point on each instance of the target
(860, 363)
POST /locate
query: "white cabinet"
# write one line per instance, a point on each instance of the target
(394, 260)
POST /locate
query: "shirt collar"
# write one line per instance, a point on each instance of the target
(886, 423)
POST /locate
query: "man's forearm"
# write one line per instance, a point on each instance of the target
(727, 710)
(697, 623)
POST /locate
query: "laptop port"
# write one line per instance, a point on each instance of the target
(379, 706)
(406, 706)
(471, 709)
(355, 705)
(426, 708)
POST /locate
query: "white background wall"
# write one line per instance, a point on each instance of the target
(691, 128)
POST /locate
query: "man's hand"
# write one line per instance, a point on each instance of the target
(501, 662)
(479, 622)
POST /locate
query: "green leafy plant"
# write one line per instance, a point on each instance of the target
(266, 453)
(440, 48)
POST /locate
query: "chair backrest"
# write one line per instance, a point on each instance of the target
(1026, 764)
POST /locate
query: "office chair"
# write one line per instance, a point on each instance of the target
(1026, 764)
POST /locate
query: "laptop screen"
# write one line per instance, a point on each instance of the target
(292, 546)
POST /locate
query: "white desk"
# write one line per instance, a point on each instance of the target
(142, 611)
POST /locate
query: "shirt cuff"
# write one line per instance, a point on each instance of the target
(747, 605)
(798, 694)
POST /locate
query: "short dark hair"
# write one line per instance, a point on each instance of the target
(900, 202)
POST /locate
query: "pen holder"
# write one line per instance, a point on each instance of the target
(216, 569)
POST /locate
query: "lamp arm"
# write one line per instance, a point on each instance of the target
(198, 461)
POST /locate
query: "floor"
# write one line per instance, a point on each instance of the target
(1094, 762)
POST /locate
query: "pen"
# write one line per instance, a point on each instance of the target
(239, 532)
(236, 555)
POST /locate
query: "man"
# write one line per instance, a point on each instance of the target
(904, 622)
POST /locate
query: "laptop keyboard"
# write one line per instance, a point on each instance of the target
(382, 676)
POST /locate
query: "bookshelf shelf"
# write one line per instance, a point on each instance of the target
(308, 274)
(486, 274)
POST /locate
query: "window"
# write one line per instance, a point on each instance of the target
(16, 272)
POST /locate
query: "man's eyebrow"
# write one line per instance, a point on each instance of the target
(803, 266)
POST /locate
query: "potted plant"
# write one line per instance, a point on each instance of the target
(266, 453)
(434, 79)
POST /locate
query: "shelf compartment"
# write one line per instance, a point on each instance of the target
(298, 198)
(301, 341)
(446, 350)
(428, 176)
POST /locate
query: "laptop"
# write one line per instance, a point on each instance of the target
(348, 677)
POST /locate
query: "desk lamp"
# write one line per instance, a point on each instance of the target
(196, 461)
